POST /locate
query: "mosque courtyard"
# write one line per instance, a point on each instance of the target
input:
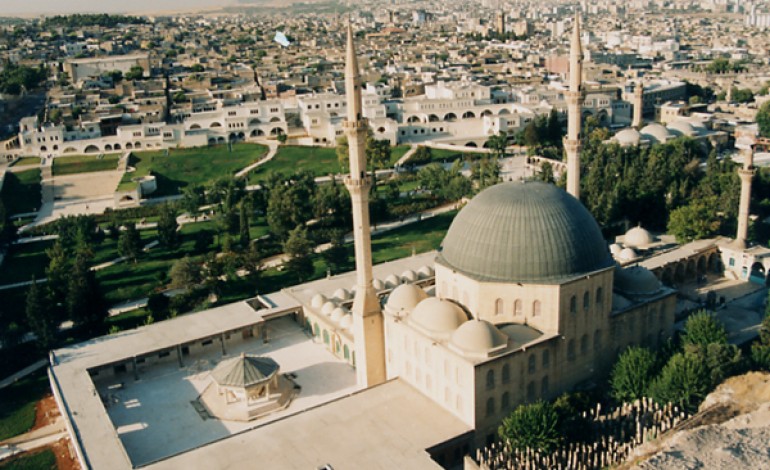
(155, 416)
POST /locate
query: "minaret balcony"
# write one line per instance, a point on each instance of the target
(362, 123)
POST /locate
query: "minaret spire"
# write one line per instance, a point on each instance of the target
(574, 103)
(368, 328)
(746, 174)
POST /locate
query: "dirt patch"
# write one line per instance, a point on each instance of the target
(46, 412)
(64, 459)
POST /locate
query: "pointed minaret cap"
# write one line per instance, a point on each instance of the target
(351, 62)
(576, 57)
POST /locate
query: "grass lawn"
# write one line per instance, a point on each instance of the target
(21, 191)
(291, 158)
(192, 166)
(17, 404)
(27, 161)
(397, 152)
(84, 164)
(43, 460)
(24, 261)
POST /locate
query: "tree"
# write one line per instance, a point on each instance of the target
(243, 226)
(299, 249)
(342, 150)
(159, 306)
(683, 381)
(702, 329)
(632, 374)
(168, 235)
(185, 274)
(421, 156)
(40, 317)
(534, 426)
(7, 228)
(763, 119)
(85, 303)
(546, 173)
(336, 257)
(57, 272)
(695, 221)
(192, 200)
(498, 142)
(130, 242)
(135, 73)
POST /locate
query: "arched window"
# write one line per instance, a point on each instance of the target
(573, 304)
(536, 308)
(571, 350)
(506, 373)
(459, 403)
(584, 344)
(531, 391)
(517, 307)
(490, 379)
(428, 383)
(544, 387)
(599, 296)
(532, 366)
(597, 340)
(505, 402)
(499, 307)
(586, 301)
(490, 406)
(326, 337)
(546, 359)
(346, 352)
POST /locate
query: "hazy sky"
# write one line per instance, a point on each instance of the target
(36, 7)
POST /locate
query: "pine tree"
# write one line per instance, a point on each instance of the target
(168, 236)
(243, 225)
(299, 249)
(41, 317)
(130, 242)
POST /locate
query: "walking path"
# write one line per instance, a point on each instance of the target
(23, 373)
(32, 440)
(406, 156)
(273, 149)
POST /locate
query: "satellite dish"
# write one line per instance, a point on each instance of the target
(281, 39)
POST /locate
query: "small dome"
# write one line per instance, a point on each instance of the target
(615, 249)
(404, 298)
(392, 281)
(628, 137)
(619, 302)
(378, 285)
(656, 133)
(425, 272)
(682, 127)
(328, 308)
(347, 322)
(342, 294)
(317, 301)
(437, 317)
(636, 280)
(338, 313)
(478, 337)
(408, 276)
(638, 237)
(627, 254)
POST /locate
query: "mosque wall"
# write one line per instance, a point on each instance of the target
(434, 370)
(336, 339)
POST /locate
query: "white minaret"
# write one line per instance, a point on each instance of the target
(574, 103)
(368, 328)
(638, 105)
(746, 174)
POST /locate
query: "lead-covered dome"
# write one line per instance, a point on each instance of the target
(437, 317)
(524, 232)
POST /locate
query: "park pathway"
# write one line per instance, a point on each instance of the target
(406, 156)
(32, 440)
(272, 150)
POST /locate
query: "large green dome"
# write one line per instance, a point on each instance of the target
(524, 232)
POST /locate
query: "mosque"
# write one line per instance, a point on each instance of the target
(522, 301)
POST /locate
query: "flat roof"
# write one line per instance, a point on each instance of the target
(373, 428)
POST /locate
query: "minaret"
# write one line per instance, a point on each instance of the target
(746, 174)
(368, 328)
(574, 103)
(638, 106)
